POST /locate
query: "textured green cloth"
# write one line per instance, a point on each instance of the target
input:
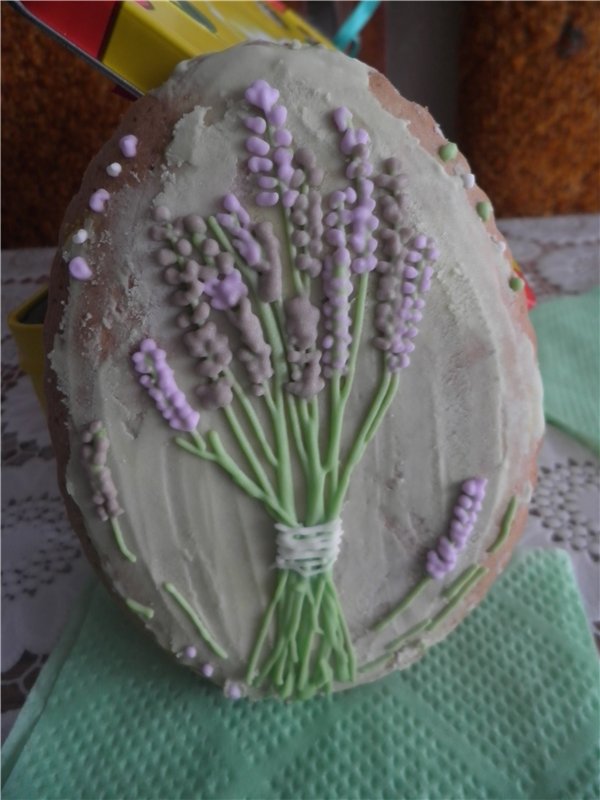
(568, 332)
(507, 707)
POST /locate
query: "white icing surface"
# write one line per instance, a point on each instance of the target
(470, 403)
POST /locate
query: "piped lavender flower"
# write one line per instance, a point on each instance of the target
(157, 378)
(355, 145)
(303, 355)
(404, 281)
(94, 456)
(442, 559)
(337, 288)
(269, 147)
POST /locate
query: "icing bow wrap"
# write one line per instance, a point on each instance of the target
(274, 315)
(309, 551)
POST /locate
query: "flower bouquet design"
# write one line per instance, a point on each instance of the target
(282, 324)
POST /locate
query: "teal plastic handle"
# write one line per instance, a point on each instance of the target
(348, 36)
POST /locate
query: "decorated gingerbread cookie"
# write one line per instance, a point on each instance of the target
(292, 385)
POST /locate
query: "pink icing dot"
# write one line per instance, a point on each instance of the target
(79, 269)
(128, 145)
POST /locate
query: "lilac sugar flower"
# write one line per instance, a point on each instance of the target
(303, 355)
(403, 282)
(236, 221)
(226, 291)
(150, 362)
(269, 148)
(94, 456)
(442, 559)
(337, 290)
(355, 146)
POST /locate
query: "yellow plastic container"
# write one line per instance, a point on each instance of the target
(148, 40)
(30, 341)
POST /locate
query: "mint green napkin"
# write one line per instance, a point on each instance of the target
(507, 707)
(568, 332)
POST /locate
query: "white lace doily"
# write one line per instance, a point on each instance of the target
(43, 569)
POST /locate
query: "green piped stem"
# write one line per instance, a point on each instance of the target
(143, 611)
(420, 627)
(312, 647)
(228, 465)
(457, 598)
(248, 451)
(336, 420)
(297, 432)
(196, 621)
(253, 420)
(462, 586)
(265, 625)
(505, 525)
(383, 409)
(457, 584)
(380, 404)
(274, 336)
(404, 604)
(120, 540)
(377, 662)
(315, 474)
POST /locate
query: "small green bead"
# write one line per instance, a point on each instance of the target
(448, 151)
(516, 283)
(484, 209)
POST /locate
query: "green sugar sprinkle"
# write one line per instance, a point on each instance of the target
(448, 151)
(199, 625)
(516, 283)
(484, 209)
(143, 611)
(505, 525)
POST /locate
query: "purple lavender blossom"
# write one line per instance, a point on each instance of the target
(337, 290)
(442, 559)
(226, 291)
(355, 146)
(236, 221)
(157, 378)
(404, 281)
(256, 244)
(269, 148)
(303, 355)
(94, 456)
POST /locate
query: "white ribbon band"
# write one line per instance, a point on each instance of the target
(308, 551)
